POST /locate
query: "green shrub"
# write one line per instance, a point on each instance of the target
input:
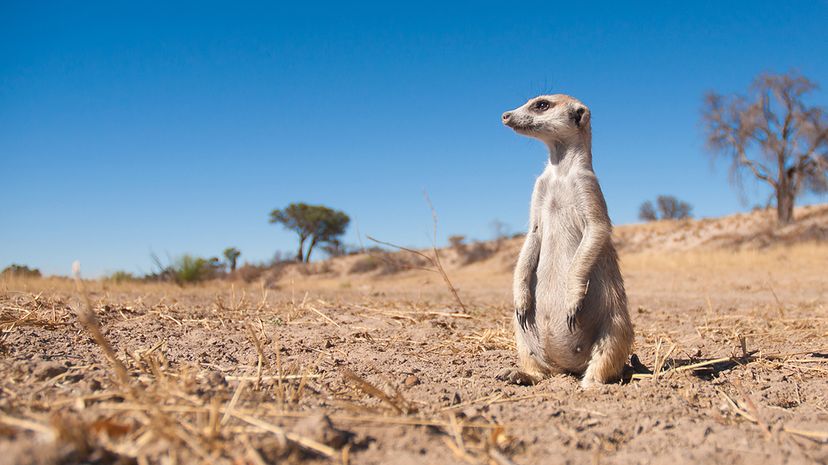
(188, 269)
(121, 277)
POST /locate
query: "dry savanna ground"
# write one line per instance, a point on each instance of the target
(371, 365)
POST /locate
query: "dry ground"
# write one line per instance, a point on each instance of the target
(374, 369)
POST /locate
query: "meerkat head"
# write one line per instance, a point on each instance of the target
(550, 118)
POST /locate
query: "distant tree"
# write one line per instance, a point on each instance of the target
(318, 223)
(646, 212)
(20, 271)
(232, 255)
(773, 135)
(671, 208)
(500, 231)
(667, 208)
(330, 226)
(457, 241)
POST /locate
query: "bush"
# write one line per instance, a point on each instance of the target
(387, 263)
(249, 273)
(188, 269)
(20, 271)
(477, 251)
(309, 269)
(121, 277)
(366, 264)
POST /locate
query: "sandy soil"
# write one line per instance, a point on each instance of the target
(384, 369)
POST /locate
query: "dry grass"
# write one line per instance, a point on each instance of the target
(733, 345)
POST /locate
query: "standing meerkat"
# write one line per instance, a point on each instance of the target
(570, 305)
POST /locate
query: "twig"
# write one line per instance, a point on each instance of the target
(328, 319)
(87, 318)
(363, 385)
(228, 411)
(260, 353)
(307, 443)
(754, 410)
(25, 424)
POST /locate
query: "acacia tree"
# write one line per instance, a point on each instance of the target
(329, 226)
(232, 255)
(318, 223)
(773, 135)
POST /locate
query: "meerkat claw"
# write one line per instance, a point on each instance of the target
(572, 319)
(513, 376)
(521, 318)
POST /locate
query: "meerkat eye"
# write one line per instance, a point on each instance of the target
(541, 105)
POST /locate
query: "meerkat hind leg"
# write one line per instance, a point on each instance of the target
(607, 362)
(530, 371)
(529, 374)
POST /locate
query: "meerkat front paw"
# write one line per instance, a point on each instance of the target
(573, 303)
(515, 376)
(572, 312)
(523, 304)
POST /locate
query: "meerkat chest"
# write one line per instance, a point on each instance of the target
(559, 192)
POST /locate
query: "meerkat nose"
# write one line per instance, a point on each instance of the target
(506, 117)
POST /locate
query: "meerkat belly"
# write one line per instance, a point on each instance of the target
(563, 230)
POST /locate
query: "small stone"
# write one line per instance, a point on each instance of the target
(48, 370)
(320, 428)
(216, 378)
(412, 380)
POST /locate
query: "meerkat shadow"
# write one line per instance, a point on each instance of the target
(708, 369)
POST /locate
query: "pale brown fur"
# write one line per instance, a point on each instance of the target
(570, 304)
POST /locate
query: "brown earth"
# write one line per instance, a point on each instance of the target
(380, 366)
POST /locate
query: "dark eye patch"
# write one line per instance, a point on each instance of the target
(542, 105)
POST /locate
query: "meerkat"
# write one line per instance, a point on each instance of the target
(570, 305)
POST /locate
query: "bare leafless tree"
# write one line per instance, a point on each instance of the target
(672, 208)
(773, 135)
(646, 212)
(666, 207)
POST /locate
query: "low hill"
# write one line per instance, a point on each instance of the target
(744, 231)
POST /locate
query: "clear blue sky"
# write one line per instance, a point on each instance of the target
(130, 127)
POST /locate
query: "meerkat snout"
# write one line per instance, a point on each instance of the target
(506, 116)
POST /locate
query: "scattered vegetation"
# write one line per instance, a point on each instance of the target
(189, 269)
(20, 271)
(774, 136)
(186, 269)
(666, 207)
(474, 252)
(119, 277)
(366, 264)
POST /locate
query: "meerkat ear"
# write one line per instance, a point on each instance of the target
(579, 116)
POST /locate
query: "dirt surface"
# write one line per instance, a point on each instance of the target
(384, 369)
